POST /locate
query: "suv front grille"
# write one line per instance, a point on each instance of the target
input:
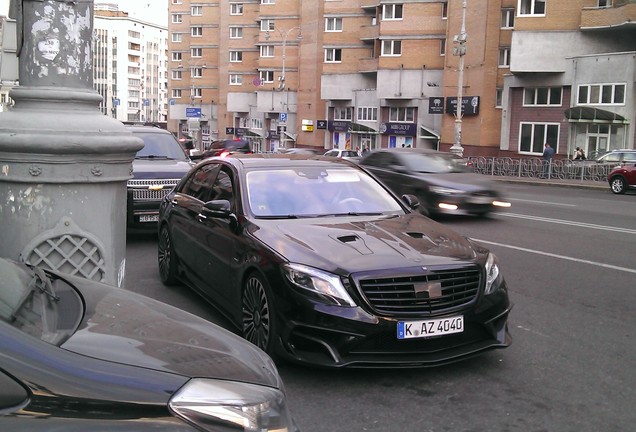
(434, 292)
(151, 190)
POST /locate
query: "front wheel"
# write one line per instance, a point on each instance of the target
(618, 185)
(259, 325)
(166, 258)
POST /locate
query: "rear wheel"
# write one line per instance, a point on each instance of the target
(258, 313)
(618, 185)
(166, 258)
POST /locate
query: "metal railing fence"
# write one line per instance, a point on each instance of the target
(565, 169)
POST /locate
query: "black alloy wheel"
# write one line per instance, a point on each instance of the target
(166, 258)
(618, 185)
(258, 316)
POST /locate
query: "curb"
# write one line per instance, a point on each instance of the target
(556, 182)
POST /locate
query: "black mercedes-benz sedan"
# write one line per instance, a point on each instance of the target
(79, 355)
(317, 262)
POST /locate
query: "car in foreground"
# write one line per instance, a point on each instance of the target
(315, 261)
(79, 355)
(157, 168)
(442, 182)
(622, 177)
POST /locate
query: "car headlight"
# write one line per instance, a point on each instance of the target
(224, 406)
(444, 190)
(493, 275)
(328, 285)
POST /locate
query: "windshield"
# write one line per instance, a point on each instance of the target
(160, 146)
(434, 163)
(37, 304)
(315, 191)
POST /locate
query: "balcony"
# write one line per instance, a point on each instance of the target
(368, 65)
(621, 15)
(367, 4)
(369, 32)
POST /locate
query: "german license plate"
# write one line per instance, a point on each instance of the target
(149, 218)
(430, 328)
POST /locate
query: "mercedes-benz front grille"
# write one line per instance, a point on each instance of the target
(432, 292)
(151, 189)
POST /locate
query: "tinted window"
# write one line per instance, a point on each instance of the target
(200, 183)
(160, 145)
(222, 188)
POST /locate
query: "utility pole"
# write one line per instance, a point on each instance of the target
(460, 50)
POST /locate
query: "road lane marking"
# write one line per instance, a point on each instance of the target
(543, 202)
(563, 257)
(565, 222)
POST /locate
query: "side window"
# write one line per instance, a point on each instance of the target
(222, 188)
(201, 182)
(629, 157)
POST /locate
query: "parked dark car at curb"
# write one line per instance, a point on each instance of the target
(315, 261)
(79, 355)
(157, 168)
(442, 182)
(227, 147)
(622, 177)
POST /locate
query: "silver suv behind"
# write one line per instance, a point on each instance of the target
(157, 168)
(618, 156)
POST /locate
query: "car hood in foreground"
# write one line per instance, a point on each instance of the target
(147, 168)
(123, 327)
(354, 243)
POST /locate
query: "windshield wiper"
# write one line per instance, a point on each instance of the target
(289, 216)
(43, 283)
(154, 157)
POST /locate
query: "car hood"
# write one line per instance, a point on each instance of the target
(160, 168)
(352, 244)
(124, 327)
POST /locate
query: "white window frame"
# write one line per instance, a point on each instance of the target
(343, 113)
(236, 79)
(503, 60)
(596, 91)
(442, 47)
(267, 76)
(390, 12)
(196, 92)
(499, 97)
(196, 52)
(177, 37)
(367, 114)
(402, 114)
(268, 25)
(177, 2)
(196, 31)
(196, 72)
(176, 93)
(196, 10)
(542, 140)
(256, 123)
(236, 9)
(236, 32)
(530, 8)
(177, 74)
(177, 56)
(265, 2)
(266, 51)
(177, 18)
(394, 48)
(333, 25)
(534, 93)
(236, 56)
(331, 55)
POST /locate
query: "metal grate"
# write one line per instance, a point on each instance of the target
(433, 292)
(151, 189)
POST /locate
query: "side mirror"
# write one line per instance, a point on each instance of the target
(411, 201)
(216, 209)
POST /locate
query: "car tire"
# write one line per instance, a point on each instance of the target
(166, 258)
(259, 326)
(618, 185)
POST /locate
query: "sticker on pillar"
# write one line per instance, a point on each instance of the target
(49, 48)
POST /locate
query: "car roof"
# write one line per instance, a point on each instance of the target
(272, 160)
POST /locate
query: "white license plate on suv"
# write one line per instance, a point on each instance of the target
(149, 218)
(430, 328)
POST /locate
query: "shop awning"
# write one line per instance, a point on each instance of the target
(287, 136)
(361, 129)
(427, 133)
(593, 115)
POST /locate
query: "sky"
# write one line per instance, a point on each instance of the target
(155, 11)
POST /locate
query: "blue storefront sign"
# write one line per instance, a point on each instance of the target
(408, 129)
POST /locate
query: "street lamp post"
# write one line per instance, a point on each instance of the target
(460, 51)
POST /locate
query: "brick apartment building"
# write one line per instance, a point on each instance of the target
(385, 73)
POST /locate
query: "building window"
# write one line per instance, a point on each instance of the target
(177, 37)
(267, 76)
(196, 52)
(236, 32)
(445, 10)
(267, 50)
(392, 12)
(195, 92)
(267, 25)
(601, 94)
(268, 1)
(333, 24)
(177, 18)
(256, 123)
(333, 55)
(534, 136)
(177, 56)
(499, 98)
(236, 9)
(196, 10)
(343, 113)
(176, 74)
(531, 7)
(404, 115)
(236, 56)
(176, 2)
(176, 93)
(542, 96)
(507, 18)
(442, 47)
(197, 31)
(367, 114)
(236, 79)
(391, 48)
(504, 57)
(196, 72)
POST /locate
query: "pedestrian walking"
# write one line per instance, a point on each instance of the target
(579, 154)
(548, 153)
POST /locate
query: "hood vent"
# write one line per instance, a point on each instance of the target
(354, 241)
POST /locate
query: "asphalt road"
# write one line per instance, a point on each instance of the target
(569, 257)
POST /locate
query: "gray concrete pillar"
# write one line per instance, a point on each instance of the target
(63, 164)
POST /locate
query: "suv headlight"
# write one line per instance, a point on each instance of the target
(224, 406)
(493, 275)
(328, 285)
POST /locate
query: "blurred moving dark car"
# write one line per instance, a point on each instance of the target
(622, 177)
(79, 355)
(315, 261)
(227, 147)
(302, 150)
(157, 168)
(442, 182)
